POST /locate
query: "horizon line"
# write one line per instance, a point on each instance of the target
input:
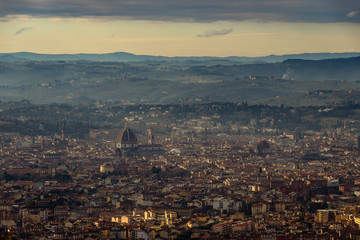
(199, 56)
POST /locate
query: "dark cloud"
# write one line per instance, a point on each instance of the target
(189, 10)
(212, 33)
(21, 30)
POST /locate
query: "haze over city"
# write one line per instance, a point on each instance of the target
(191, 119)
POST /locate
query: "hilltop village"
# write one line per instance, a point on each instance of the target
(195, 183)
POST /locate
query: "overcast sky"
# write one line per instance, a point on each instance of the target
(180, 28)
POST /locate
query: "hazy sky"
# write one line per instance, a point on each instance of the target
(180, 27)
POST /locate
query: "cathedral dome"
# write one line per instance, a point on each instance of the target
(264, 144)
(126, 136)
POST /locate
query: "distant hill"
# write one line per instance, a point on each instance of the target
(11, 58)
(327, 69)
(309, 56)
(158, 81)
(128, 57)
(292, 69)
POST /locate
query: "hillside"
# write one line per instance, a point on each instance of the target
(128, 57)
(154, 82)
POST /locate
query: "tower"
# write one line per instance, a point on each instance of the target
(151, 137)
(63, 130)
(61, 143)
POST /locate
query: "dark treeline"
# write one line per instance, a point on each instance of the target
(30, 119)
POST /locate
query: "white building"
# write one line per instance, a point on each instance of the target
(221, 204)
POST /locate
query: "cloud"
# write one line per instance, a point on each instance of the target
(21, 30)
(212, 33)
(352, 14)
(188, 10)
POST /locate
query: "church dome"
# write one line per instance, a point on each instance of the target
(127, 136)
(264, 144)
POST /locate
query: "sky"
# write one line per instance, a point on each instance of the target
(180, 27)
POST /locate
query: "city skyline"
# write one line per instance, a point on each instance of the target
(174, 28)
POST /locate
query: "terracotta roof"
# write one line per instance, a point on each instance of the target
(127, 136)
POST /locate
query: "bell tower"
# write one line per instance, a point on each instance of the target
(151, 137)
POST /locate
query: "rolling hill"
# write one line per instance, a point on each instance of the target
(128, 57)
(157, 82)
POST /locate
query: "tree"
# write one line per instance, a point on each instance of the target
(8, 177)
(156, 171)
